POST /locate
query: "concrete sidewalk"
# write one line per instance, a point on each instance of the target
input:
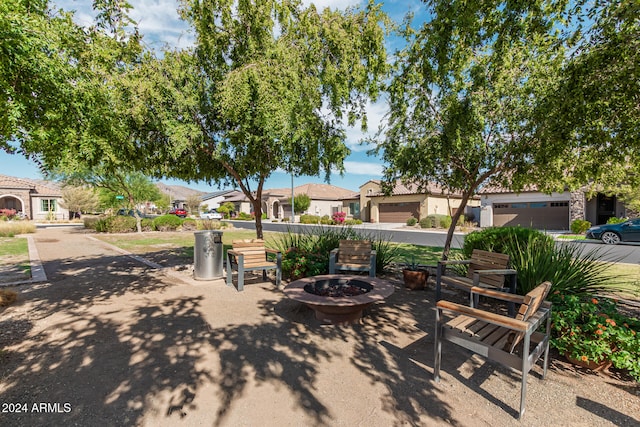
(111, 340)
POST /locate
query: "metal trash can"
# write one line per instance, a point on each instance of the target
(207, 255)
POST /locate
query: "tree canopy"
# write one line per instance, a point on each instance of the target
(590, 120)
(269, 85)
(462, 96)
(58, 105)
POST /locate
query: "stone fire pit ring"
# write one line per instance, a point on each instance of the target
(341, 309)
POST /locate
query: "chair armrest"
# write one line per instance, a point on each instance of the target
(234, 253)
(493, 318)
(518, 299)
(272, 251)
(504, 271)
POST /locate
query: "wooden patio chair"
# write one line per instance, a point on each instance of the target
(485, 270)
(353, 255)
(514, 342)
(251, 254)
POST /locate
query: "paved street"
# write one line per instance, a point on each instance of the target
(627, 252)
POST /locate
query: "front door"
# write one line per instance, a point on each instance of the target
(606, 208)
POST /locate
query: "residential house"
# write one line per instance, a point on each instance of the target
(214, 200)
(536, 209)
(405, 201)
(35, 199)
(325, 200)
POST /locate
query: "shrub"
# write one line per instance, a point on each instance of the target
(309, 219)
(167, 223)
(299, 262)
(100, 225)
(90, 222)
(326, 220)
(352, 222)
(243, 216)
(445, 222)
(427, 222)
(580, 226)
(189, 224)
(339, 217)
(591, 329)
(120, 224)
(147, 224)
(317, 242)
(614, 220)
(7, 214)
(412, 221)
(209, 224)
(500, 239)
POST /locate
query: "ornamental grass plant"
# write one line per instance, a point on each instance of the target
(314, 244)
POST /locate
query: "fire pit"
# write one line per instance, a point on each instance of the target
(338, 298)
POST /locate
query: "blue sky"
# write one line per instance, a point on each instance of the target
(159, 23)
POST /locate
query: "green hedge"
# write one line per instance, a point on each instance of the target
(167, 223)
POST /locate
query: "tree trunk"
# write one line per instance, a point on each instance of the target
(454, 222)
(257, 210)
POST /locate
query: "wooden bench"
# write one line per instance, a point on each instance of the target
(496, 337)
(353, 255)
(485, 269)
(251, 254)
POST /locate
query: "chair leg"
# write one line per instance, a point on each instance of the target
(229, 273)
(525, 371)
(438, 349)
(240, 277)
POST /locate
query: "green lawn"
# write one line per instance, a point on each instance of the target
(14, 252)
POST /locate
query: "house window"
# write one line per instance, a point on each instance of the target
(48, 205)
(501, 206)
(538, 205)
(518, 205)
(559, 204)
(354, 208)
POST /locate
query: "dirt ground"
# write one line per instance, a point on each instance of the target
(111, 341)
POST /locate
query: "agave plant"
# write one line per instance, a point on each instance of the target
(569, 267)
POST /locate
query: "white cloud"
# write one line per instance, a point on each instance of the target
(157, 20)
(375, 118)
(362, 168)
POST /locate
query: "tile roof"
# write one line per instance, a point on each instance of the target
(39, 186)
(402, 189)
(214, 194)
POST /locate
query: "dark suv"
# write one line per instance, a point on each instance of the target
(182, 213)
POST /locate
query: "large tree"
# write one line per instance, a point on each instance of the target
(463, 93)
(590, 121)
(58, 106)
(270, 85)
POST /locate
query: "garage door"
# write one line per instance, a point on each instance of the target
(399, 212)
(540, 215)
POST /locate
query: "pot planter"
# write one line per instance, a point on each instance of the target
(415, 279)
(594, 366)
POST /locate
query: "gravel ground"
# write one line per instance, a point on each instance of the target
(109, 340)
